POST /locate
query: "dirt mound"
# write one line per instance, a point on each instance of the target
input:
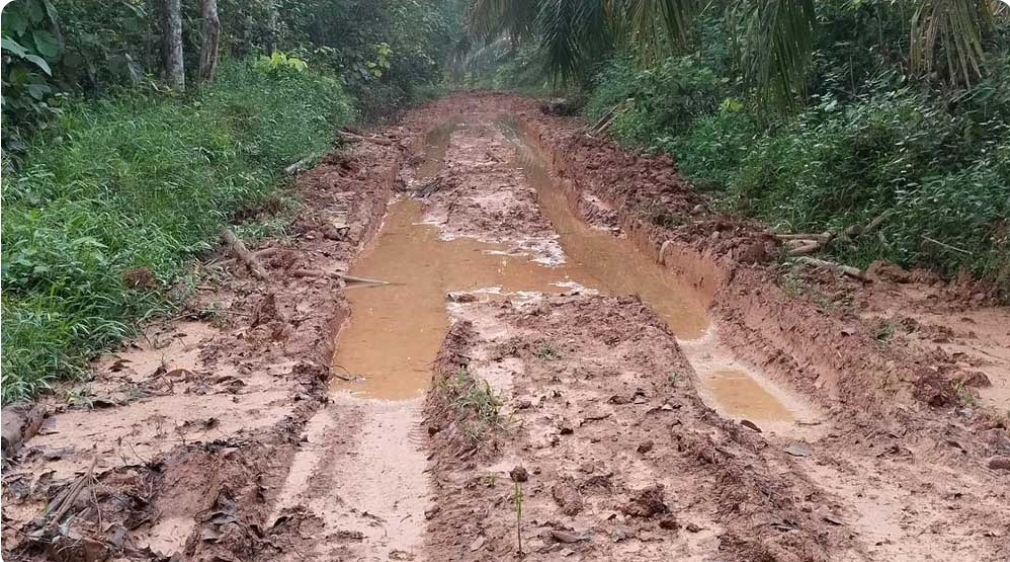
(593, 488)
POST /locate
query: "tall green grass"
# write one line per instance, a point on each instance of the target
(139, 182)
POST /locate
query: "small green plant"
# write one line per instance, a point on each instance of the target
(278, 63)
(517, 502)
(965, 397)
(475, 403)
(884, 332)
(547, 353)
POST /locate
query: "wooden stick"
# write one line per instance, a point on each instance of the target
(948, 246)
(244, 255)
(356, 279)
(65, 501)
(358, 138)
(853, 272)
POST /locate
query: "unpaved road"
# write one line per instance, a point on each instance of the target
(571, 351)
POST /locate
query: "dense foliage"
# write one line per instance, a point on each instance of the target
(810, 116)
(136, 184)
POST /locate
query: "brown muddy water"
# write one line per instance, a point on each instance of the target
(395, 331)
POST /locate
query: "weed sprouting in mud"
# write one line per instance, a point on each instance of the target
(518, 475)
(884, 333)
(517, 501)
(965, 397)
(475, 403)
(547, 353)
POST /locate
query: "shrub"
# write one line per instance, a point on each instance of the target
(834, 167)
(668, 98)
(138, 182)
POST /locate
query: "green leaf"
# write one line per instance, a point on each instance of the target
(14, 20)
(13, 46)
(38, 91)
(46, 43)
(39, 62)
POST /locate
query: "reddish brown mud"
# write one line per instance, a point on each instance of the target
(570, 351)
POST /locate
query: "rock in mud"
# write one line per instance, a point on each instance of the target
(432, 511)
(648, 503)
(750, 425)
(669, 523)
(568, 498)
(1000, 463)
(519, 474)
(566, 537)
(645, 447)
(798, 451)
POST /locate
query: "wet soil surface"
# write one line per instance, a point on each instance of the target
(570, 356)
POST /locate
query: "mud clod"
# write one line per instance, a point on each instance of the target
(648, 502)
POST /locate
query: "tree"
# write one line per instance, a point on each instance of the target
(171, 31)
(776, 36)
(211, 39)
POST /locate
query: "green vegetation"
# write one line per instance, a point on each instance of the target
(140, 182)
(476, 405)
(810, 116)
(118, 173)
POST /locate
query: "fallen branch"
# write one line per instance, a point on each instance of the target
(853, 272)
(351, 137)
(300, 165)
(813, 245)
(607, 119)
(59, 507)
(258, 254)
(355, 279)
(244, 255)
(431, 186)
(948, 246)
(815, 242)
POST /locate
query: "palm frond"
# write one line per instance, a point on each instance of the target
(490, 19)
(573, 34)
(777, 43)
(657, 25)
(951, 31)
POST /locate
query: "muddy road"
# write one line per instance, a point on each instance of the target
(565, 354)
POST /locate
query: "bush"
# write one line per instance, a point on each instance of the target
(668, 98)
(939, 162)
(835, 167)
(138, 182)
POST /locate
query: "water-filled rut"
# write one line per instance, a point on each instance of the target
(395, 330)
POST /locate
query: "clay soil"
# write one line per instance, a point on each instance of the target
(564, 420)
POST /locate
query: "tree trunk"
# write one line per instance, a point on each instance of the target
(272, 31)
(171, 26)
(211, 38)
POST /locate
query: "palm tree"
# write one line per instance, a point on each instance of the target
(776, 37)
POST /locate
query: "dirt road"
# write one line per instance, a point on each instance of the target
(569, 355)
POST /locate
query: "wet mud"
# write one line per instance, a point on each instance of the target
(569, 356)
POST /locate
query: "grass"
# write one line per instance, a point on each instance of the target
(475, 403)
(140, 182)
(547, 352)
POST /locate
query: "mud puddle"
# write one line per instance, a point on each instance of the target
(387, 349)
(395, 331)
(615, 266)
